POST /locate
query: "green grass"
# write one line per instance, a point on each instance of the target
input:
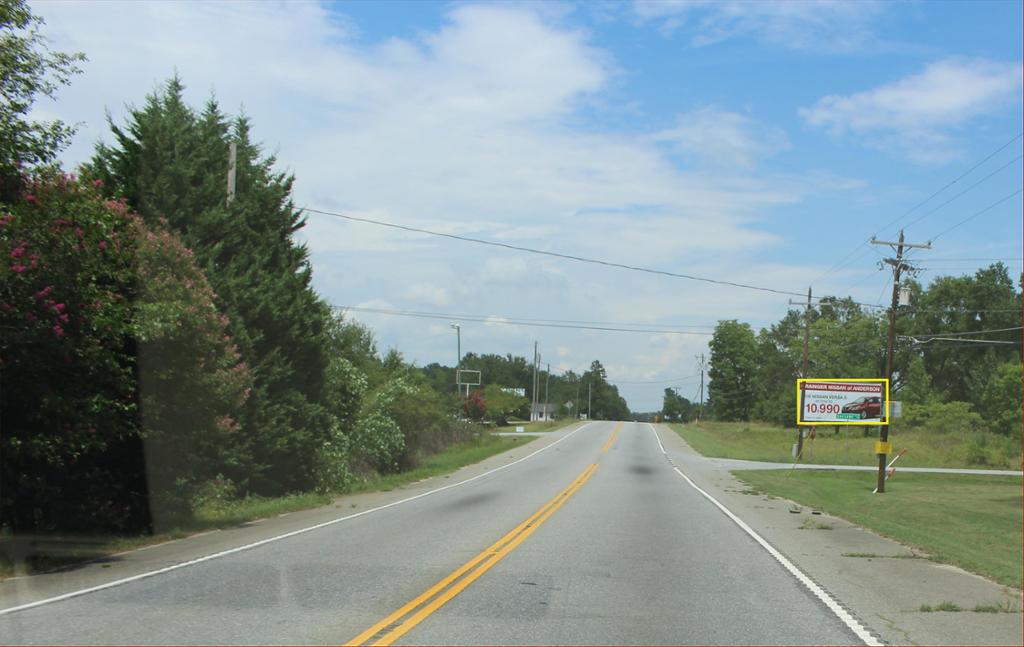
(762, 442)
(227, 513)
(971, 521)
(444, 462)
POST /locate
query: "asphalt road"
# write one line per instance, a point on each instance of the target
(596, 539)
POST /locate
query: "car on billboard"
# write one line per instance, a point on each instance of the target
(866, 407)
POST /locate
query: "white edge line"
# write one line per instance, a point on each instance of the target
(293, 533)
(818, 592)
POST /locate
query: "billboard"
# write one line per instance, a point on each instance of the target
(842, 401)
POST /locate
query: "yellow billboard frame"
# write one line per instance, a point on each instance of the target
(858, 423)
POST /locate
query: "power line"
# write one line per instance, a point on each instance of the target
(968, 333)
(928, 213)
(537, 320)
(493, 319)
(976, 214)
(570, 257)
(843, 261)
(922, 342)
(915, 310)
(938, 258)
(957, 179)
(675, 379)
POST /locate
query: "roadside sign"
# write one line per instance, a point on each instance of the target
(520, 429)
(842, 401)
(464, 377)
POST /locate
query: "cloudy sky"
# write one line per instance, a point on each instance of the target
(757, 143)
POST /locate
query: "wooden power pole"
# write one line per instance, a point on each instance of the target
(803, 371)
(700, 405)
(898, 265)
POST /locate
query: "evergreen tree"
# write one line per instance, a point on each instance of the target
(170, 163)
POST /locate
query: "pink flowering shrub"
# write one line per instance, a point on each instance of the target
(120, 386)
(192, 382)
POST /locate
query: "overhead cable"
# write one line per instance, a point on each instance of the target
(846, 259)
(978, 213)
(516, 322)
(968, 333)
(570, 257)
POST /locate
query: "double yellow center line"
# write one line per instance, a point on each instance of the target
(396, 625)
(611, 439)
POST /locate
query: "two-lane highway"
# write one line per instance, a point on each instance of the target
(596, 539)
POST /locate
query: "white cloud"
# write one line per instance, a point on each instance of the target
(808, 24)
(726, 139)
(427, 293)
(916, 114)
(504, 269)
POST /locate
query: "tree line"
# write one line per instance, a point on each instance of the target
(567, 392)
(944, 370)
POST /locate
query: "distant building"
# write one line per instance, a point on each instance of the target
(543, 412)
(514, 391)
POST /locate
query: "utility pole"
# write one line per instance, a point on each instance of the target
(232, 157)
(547, 380)
(700, 407)
(897, 268)
(803, 372)
(533, 391)
(589, 388)
(577, 409)
(458, 359)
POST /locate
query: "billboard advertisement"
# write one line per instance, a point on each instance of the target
(842, 401)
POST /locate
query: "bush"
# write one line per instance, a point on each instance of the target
(474, 406)
(1001, 399)
(378, 442)
(192, 383)
(71, 442)
(119, 385)
(943, 417)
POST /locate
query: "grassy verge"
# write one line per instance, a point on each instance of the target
(971, 521)
(537, 426)
(444, 462)
(762, 442)
(55, 553)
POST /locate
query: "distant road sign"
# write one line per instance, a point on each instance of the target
(467, 378)
(842, 401)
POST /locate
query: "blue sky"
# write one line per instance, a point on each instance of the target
(759, 143)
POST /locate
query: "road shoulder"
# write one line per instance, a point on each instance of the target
(885, 592)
